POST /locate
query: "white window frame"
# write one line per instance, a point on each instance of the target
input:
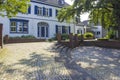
(40, 11)
(13, 24)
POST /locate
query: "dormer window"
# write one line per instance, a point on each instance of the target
(61, 2)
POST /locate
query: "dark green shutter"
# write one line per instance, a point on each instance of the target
(63, 29)
(56, 29)
(36, 9)
(29, 10)
(69, 29)
(50, 12)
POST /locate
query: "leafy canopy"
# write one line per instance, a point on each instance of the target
(12, 7)
(105, 12)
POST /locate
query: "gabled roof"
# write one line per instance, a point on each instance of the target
(51, 2)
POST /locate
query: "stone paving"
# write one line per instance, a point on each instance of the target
(101, 63)
(48, 61)
(31, 61)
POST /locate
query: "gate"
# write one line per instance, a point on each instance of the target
(1, 38)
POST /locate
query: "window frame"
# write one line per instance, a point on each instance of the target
(17, 24)
(40, 11)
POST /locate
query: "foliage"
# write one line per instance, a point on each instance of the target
(12, 7)
(28, 37)
(102, 39)
(88, 35)
(50, 40)
(23, 37)
(65, 36)
(66, 14)
(111, 34)
(104, 12)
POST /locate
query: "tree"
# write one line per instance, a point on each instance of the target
(12, 7)
(105, 12)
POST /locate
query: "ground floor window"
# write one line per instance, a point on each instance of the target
(18, 26)
(62, 29)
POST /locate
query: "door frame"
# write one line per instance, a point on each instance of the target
(45, 30)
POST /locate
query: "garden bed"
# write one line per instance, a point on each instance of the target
(23, 40)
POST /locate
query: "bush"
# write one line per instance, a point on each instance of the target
(111, 34)
(50, 40)
(23, 37)
(102, 39)
(28, 37)
(88, 35)
(65, 36)
(17, 37)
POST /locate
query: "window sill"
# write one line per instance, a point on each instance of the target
(18, 32)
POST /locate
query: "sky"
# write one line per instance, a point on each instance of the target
(83, 16)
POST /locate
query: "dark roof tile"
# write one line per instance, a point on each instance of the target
(52, 2)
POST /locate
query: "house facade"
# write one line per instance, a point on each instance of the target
(85, 26)
(40, 21)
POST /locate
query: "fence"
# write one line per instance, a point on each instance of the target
(1, 38)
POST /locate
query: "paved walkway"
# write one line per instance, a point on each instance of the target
(101, 63)
(31, 61)
(48, 61)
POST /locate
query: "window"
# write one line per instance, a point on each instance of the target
(25, 27)
(98, 33)
(66, 29)
(19, 27)
(40, 11)
(46, 12)
(62, 29)
(59, 29)
(13, 26)
(56, 12)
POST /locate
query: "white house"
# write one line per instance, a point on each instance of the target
(97, 31)
(85, 26)
(80, 28)
(40, 21)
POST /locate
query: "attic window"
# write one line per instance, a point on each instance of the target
(62, 2)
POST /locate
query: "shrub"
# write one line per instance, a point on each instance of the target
(111, 34)
(65, 36)
(102, 39)
(88, 35)
(28, 37)
(50, 40)
(17, 37)
(23, 37)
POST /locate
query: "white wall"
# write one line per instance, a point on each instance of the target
(81, 28)
(33, 21)
(97, 29)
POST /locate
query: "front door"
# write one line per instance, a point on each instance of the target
(42, 32)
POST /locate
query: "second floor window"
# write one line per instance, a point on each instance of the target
(46, 12)
(40, 11)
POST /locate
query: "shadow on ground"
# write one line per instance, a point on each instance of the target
(37, 67)
(101, 63)
(64, 56)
